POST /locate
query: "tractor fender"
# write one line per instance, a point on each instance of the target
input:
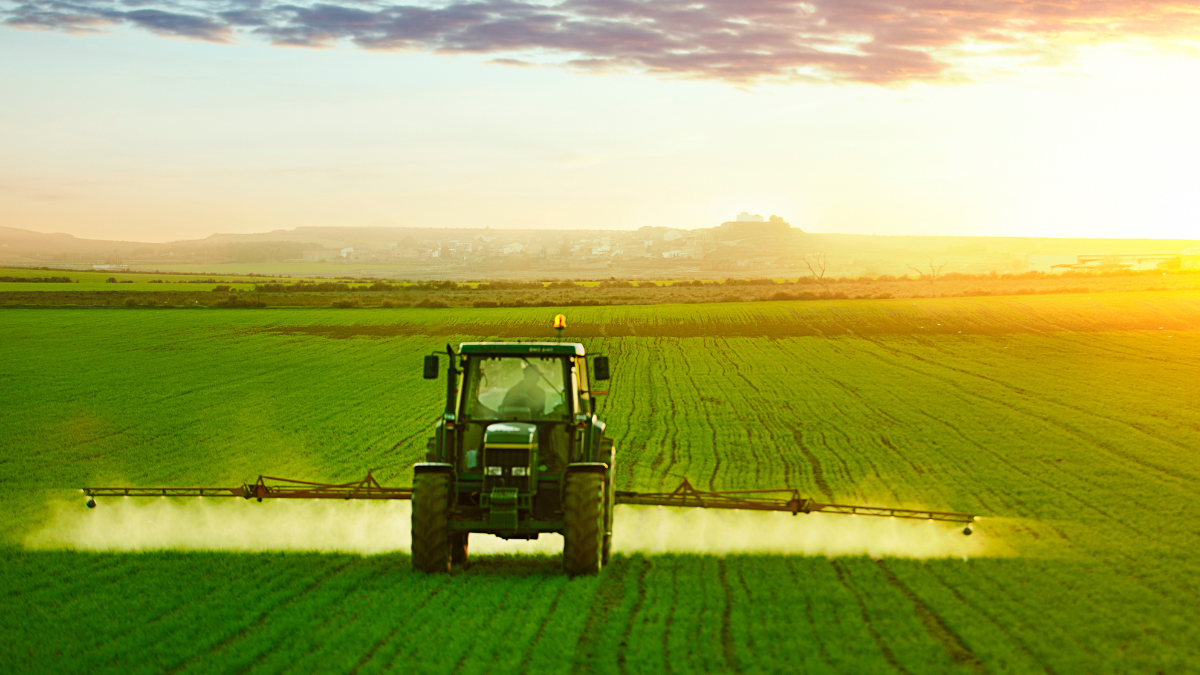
(588, 467)
(432, 467)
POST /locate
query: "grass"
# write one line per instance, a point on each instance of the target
(1069, 422)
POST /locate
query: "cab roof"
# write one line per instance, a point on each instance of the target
(522, 348)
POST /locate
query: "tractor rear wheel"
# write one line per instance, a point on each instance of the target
(583, 540)
(430, 526)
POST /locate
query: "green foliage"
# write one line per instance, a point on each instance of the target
(1069, 423)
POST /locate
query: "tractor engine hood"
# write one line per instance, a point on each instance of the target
(510, 456)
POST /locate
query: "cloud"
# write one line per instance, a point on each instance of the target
(737, 41)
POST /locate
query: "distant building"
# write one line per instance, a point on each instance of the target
(672, 235)
(348, 252)
(745, 217)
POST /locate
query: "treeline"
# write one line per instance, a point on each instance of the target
(38, 280)
(732, 282)
(340, 287)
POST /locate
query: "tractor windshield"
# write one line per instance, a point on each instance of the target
(518, 388)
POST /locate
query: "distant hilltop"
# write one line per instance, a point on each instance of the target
(749, 225)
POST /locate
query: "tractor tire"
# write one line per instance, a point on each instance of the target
(430, 522)
(458, 549)
(583, 540)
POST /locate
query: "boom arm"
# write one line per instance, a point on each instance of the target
(781, 499)
(281, 488)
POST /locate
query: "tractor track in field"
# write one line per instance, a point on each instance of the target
(982, 448)
(896, 451)
(610, 593)
(370, 653)
(264, 653)
(527, 657)
(865, 457)
(811, 617)
(1024, 394)
(667, 621)
(160, 618)
(1187, 481)
(817, 473)
(937, 629)
(1053, 486)
(485, 628)
(258, 622)
(746, 590)
(999, 626)
(85, 576)
(728, 647)
(886, 651)
(638, 603)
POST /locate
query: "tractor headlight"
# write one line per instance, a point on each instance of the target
(494, 471)
(520, 471)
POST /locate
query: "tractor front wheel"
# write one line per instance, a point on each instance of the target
(430, 526)
(583, 540)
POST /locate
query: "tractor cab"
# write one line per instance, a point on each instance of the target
(539, 391)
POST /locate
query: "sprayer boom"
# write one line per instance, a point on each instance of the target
(780, 499)
(686, 495)
(280, 488)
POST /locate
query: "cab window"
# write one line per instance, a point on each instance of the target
(517, 388)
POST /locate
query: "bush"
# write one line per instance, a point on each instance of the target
(110, 280)
(37, 280)
(749, 282)
(647, 284)
(615, 283)
(221, 289)
(130, 302)
(239, 303)
(502, 286)
(429, 303)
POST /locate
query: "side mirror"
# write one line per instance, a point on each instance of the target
(600, 367)
(431, 367)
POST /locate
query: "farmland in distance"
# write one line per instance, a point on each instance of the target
(1070, 423)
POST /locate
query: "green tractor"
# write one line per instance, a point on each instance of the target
(519, 452)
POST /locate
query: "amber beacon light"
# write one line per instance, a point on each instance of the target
(560, 322)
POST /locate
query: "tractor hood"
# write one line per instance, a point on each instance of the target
(511, 433)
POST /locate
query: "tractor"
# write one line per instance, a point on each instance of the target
(517, 453)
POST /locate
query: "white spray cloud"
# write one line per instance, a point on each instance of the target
(125, 524)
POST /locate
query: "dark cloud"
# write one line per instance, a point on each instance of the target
(732, 40)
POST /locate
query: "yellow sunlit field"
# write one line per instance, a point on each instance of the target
(1068, 423)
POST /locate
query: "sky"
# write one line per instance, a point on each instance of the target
(163, 120)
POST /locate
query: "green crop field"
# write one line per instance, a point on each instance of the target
(1071, 424)
(98, 281)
